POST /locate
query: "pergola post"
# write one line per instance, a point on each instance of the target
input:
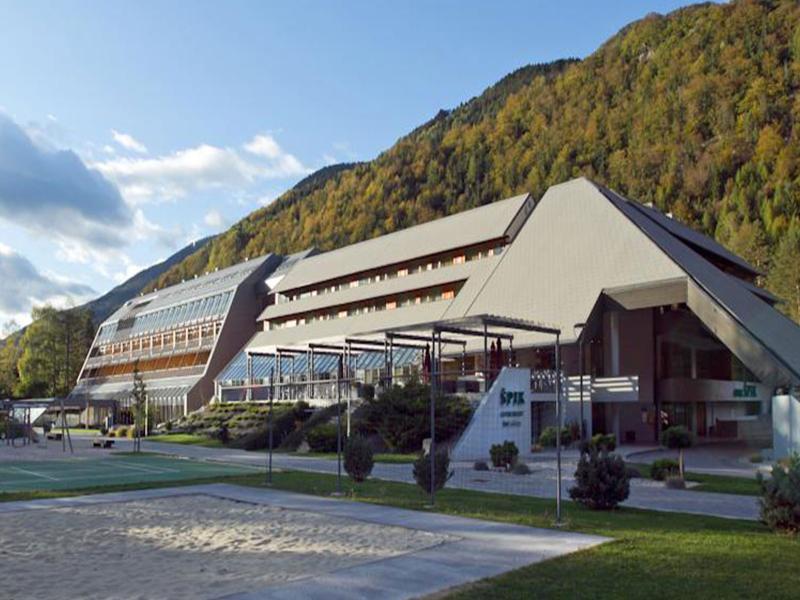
(558, 430)
(249, 392)
(269, 426)
(432, 446)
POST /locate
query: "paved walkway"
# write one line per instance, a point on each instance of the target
(541, 483)
(478, 549)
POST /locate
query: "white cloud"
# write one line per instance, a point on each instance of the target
(214, 219)
(176, 175)
(52, 192)
(128, 142)
(24, 287)
(264, 145)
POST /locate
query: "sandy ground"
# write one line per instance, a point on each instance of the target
(190, 546)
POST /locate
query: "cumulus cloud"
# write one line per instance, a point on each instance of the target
(53, 191)
(182, 172)
(24, 286)
(214, 219)
(128, 142)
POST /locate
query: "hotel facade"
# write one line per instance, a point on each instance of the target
(658, 324)
(179, 338)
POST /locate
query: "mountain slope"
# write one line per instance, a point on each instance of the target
(694, 111)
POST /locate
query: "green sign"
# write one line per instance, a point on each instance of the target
(746, 391)
(511, 398)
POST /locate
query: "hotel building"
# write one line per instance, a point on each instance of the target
(179, 338)
(659, 324)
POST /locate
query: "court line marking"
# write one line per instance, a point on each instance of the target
(35, 474)
(154, 470)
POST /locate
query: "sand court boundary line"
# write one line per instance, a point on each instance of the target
(479, 548)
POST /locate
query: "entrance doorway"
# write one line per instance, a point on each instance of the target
(701, 419)
(599, 418)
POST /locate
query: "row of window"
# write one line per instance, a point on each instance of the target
(202, 309)
(409, 299)
(428, 264)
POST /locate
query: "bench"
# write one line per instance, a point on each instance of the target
(102, 443)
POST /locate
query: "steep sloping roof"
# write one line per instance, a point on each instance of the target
(777, 334)
(206, 285)
(694, 238)
(462, 229)
(574, 245)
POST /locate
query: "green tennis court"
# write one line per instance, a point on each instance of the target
(68, 474)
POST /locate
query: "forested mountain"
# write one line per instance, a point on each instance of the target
(695, 111)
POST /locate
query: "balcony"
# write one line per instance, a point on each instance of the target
(623, 388)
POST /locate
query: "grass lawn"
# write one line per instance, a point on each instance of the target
(654, 555)
(381, 457)
(721, 484)
(189, 439)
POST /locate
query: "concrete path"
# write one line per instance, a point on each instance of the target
(478, 549)
(541, 483)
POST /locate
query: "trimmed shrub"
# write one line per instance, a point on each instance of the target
(663, 468)
(601, 480)
(547, 438)
(121, 432)
(604, 442)
(504, 455)
(322, 438)
(521, 469)
(480, 465)
(675, 482)
(780, 497)
(422, 470)
(358, 460)
(293, 439)
(677, 438)
(401, 416)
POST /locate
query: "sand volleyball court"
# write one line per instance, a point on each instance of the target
(243, 543)
(191, 546)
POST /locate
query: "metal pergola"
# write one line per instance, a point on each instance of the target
(484, 326)
(434, 335)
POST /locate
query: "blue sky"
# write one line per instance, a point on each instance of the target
(128, 129)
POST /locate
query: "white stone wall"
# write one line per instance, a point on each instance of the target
(785, 425)
(503, 414)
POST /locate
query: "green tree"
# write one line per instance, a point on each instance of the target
(784, 277)
(9, 375)
(52, 351)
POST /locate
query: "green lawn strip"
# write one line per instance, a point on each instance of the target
(188, 439)
(124, 487)
(720, 484)
(381, 457)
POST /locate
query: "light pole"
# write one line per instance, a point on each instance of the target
(579, 327)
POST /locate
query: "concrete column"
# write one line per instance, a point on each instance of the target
(614, 327)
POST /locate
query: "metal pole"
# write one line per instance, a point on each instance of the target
(580, 373)
(249, 394)
(348, 378)
(269, 426)
(558, 430)
(338, 429)
(432, 446)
